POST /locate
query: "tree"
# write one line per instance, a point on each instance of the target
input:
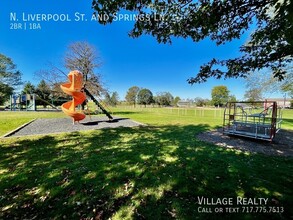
(114, 98)
(43, 91)
(28, 88)
(200, 102)
(54, 77)
(176, 100)
(83, 56)
(10, 77)
(145, 97)
(270, 46)
(232, 98)
(5, 92)
(131, 95)
(253, 95)
(164, 99)
(220, 95)
(107, 98)
(79, 56)
(111, 99)
(265, 84)
(287, 85)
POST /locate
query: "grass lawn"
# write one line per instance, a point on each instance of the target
(155, 172)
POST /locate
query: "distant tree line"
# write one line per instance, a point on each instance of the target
(144, 96)
(135, 95)
(111, 100)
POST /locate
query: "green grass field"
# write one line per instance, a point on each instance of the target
(155, 172)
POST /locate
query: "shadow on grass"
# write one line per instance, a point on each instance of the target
(140, 173)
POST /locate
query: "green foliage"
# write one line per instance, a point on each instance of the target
(145, 97)
(253, 95)
(201, 102)
(107, 98)
(232, 98)
(43, 90)
(10, 77)
(270, 46)
(5, 92)
(164, 99)
(176, 100)
(28, 88)
(114, 99)
(111, 100)
(262, 84)
(131, 95)
(220, 95)
(287, 85)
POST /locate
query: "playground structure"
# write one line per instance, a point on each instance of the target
(19, 102)
(27, 102)
(98, 104)
(75, 89)
(259, 120)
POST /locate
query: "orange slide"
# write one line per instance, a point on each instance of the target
(73, 88)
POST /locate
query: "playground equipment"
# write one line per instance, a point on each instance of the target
(98, 104)
(23, 102)
(259, 120)
(75, 89)
(27, 102)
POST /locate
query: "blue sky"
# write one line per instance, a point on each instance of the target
(126, 61)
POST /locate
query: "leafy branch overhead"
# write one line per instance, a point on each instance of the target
(270, 46)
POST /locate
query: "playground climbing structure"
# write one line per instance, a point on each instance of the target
(259, 120)
(73, 88)
(23, 102)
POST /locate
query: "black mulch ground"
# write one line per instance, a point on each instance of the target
(59, 125)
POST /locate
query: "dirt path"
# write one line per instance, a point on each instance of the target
(282, 144)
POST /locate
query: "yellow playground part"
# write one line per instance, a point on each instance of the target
(73, 88)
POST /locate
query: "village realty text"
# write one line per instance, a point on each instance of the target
(230, 201)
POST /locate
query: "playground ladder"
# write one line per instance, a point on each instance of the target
(98, 104)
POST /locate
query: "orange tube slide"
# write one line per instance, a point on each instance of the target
(73, 88)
